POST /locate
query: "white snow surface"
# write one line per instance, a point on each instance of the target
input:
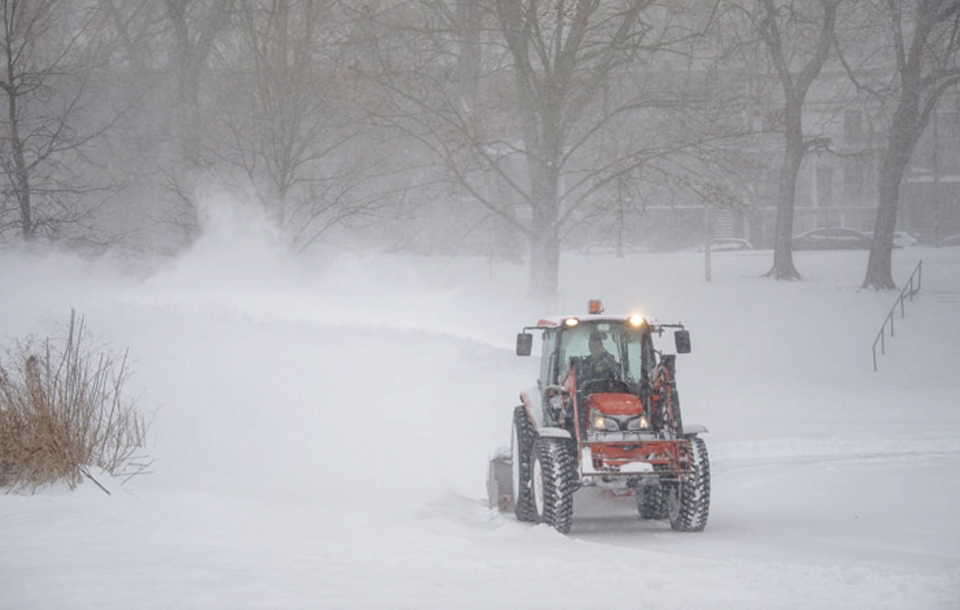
(321, 431)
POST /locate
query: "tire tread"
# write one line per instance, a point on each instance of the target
(522, 495)
(694, 492)
(558, 461)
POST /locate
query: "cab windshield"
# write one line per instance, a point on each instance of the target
(630, 348)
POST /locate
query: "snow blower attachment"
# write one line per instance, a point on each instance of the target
(605, 413)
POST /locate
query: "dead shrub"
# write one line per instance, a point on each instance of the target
(62, 413)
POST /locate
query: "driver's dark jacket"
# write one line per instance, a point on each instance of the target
(604, 366)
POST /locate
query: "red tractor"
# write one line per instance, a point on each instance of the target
(605, 413)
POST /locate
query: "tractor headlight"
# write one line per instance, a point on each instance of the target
(603, 423)
(638, 423)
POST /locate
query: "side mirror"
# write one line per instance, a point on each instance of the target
(681, 339)
(524, 344)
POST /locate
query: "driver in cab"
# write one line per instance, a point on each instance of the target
(600, 364)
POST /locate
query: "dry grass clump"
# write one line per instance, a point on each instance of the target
(62, 412)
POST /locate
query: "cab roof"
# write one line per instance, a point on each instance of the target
(553, 321)
(594, 314)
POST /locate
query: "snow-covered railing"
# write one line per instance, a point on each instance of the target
(909, 289)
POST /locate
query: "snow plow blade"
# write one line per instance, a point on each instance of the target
(500, 482)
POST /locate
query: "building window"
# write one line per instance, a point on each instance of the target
(853, 126)
(824, 187)
(948, 133)
(853, 179)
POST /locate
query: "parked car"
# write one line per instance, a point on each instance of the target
(950, 242)
(723, 244)
(727, 244)
(902, 239)
(833, 238)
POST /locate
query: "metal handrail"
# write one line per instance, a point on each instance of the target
(908, 291)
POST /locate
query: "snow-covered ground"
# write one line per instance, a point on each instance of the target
(322, 430)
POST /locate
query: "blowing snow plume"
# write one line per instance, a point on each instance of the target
(276, 373)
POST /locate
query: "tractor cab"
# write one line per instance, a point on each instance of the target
(603, 364)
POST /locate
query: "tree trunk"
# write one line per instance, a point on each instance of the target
(795, 89)
(904, 132)
(22, 186)
(469, 61)
(545, 265)
(545, 240)
(188, 85)
(21, 176)
(922, 82)
(880, 264)
(783, 267)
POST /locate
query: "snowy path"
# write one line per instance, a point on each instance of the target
(767, 546)
(303, 462)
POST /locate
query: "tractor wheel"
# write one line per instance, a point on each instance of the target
(651, 502)
(521, 450)
(688, 502)
(554, 474)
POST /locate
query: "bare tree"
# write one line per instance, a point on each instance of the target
(926, 43)
(134, 30)
(46, 45)
(560, 62)
(798, 37)
(196, 27)
(563, 82)
(286, 126)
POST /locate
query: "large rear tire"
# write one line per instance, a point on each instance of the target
(688, 502)
(521, 449)
(554, 475)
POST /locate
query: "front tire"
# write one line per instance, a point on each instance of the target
(651, 502)
(688, 501)
(521, 448)
(554, 476)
